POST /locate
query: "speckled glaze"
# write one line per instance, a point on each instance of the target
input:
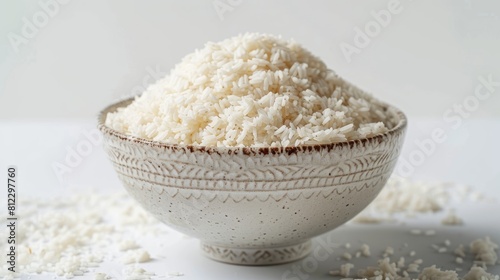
(254, 206)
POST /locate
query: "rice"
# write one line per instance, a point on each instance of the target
(251, 90)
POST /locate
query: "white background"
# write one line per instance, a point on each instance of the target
(91, 53)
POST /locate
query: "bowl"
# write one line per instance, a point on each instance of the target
(253, 205)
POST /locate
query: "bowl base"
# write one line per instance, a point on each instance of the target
(257, 256)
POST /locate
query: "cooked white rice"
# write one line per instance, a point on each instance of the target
(251, 90)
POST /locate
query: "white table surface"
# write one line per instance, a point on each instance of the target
(469, 156)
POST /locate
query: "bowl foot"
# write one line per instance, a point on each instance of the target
(257, 256)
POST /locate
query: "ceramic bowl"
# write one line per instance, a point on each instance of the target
(254, 206)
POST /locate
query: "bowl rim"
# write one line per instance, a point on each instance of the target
(399, 128)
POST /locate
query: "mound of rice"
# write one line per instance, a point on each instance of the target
(251, 90)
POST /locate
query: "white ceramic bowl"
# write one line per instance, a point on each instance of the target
(254, 206)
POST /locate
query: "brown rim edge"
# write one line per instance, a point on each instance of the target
(398, 128)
